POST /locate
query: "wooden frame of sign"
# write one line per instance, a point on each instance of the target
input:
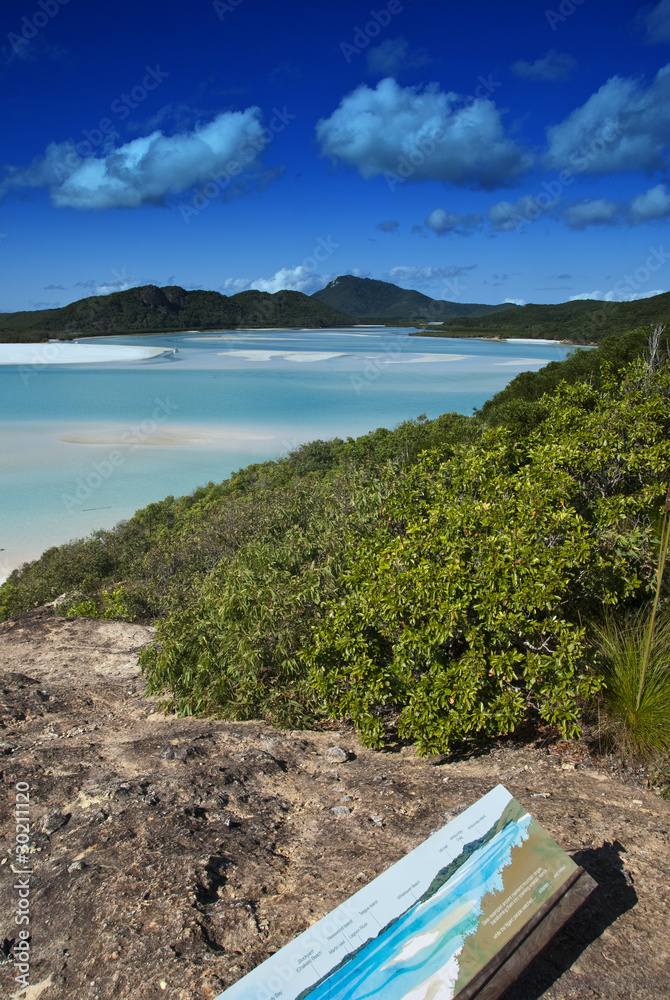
(506, 967)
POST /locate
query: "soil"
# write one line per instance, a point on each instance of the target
(172, 855)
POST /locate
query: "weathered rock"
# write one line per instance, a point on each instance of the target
(176, 875)
(337, 755)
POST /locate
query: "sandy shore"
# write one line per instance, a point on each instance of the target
(71, 353)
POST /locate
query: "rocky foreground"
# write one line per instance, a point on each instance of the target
(171, 856)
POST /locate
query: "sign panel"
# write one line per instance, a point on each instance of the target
(427, 927)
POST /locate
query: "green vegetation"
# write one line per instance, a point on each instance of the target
(636, 668)
(151, 309)
(443, 581)
(466, 614)
(635, 664)
(585, 321)
(381, 301)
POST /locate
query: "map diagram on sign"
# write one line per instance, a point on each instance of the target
(426, 927)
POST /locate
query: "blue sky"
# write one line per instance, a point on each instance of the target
(478, 152)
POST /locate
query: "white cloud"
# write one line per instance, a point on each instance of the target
(423, 275)
(291, 279)
(652, 204)
(443, 222)
(616, 295)
(591, 212)
(147, 170)
(514, 302)
(422, 135)
(507, 215)
(551, 67)
(394, 55)
(658, 23)
(622, 127)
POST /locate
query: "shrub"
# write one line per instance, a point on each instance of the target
(233, 649)
(462, 615)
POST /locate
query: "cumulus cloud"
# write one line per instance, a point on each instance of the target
(652, 204)
(616, 295)
(417, 135)
(419, 275)
(148, 170)
(514, 302)
(291, 279)
(591, 212)
(505, 216)
(390, 226)
(119, 284)
(657, 22)
(394, 55)
(442, 222)
(551, 67)
(623, 127)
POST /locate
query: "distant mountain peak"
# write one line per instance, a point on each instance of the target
(370, 298)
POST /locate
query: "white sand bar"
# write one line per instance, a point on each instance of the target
(69, 353)
(299, 356)
(170, 437)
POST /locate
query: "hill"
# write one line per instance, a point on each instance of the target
(583, 321)
(152, 309)
(368, 298)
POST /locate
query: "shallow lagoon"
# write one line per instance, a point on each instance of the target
(85, 445)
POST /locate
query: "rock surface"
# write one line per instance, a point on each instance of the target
(171, 856)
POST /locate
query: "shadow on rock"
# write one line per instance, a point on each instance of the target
(613, 897)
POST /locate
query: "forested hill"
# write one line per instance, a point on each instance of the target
(368, 298)
(583, 321)
(149, 308)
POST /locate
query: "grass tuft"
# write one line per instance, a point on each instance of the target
(635, 663)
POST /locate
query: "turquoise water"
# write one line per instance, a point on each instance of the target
(84, 446)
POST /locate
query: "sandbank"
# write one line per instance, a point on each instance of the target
(163, 437)
(299, 356)
(70, 353)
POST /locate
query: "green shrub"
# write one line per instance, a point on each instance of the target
(233, 649)
(463, 614)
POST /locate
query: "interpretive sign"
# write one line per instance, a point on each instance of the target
(455, 919)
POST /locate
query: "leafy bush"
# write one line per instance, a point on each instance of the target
(233, 650)
(463, 614)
